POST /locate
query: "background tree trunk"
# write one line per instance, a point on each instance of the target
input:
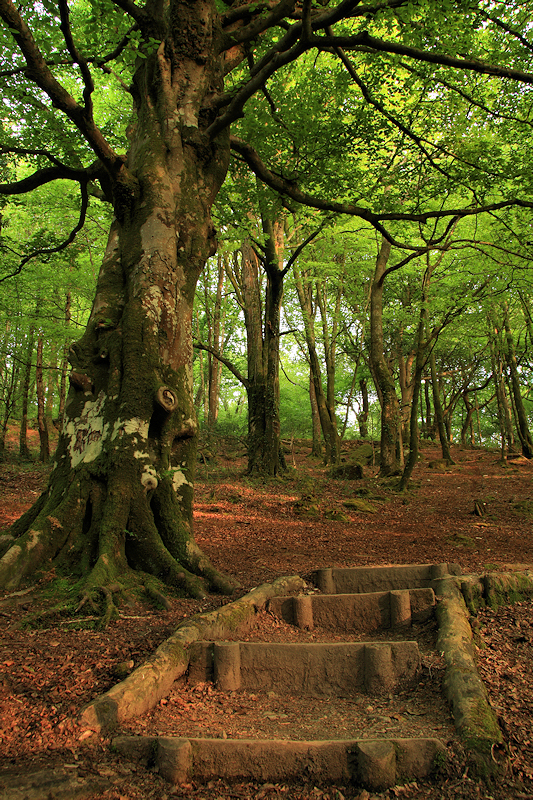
(44, 444)
(390, 408)
(24, 450)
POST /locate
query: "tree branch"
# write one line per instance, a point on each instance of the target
(382, 110)
(39, 72)
(382, 46)
(48, 251)
(227, 363)
(77, 58)
(290, 189)
(48, 174)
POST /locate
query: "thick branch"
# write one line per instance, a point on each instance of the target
(382, 46)
(77, 58)
(259, 24)
(44, 176)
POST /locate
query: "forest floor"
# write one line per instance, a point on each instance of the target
(257, 531)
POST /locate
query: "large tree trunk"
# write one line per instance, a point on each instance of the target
(119, 503)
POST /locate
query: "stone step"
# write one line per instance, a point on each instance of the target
(376, 764)
(381, 579)
(317, 669)
(349, 613)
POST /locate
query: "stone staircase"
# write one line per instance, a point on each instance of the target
(360, 600)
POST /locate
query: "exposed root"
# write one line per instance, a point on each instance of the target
(87, 599)
(157, 598)
(111, 611)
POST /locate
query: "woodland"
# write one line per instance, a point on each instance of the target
(270, 220)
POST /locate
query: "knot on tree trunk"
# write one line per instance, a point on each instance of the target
(81, 381)
(167, 398)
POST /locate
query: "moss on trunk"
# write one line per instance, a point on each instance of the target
(120, 496)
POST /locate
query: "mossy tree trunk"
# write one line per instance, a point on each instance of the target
(119, 501)
(24, 450)
(328, 422)
(263, 334)
(438, 411)
(526, 440)
(385, 387)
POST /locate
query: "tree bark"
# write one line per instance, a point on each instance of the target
(439, 414)
(24, 450)
(316, 448)
(215, 341)
(64, 367)
(327, 422)
(44, 444)
(390, 408)
(416, 383)
(524, 433)
(362, 418)
(119, 505)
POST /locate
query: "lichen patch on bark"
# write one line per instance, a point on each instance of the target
(87, 432)
(135, 425)
(11, 556)
(179, 479)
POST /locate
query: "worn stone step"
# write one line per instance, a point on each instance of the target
(318, 669)
(349, 613)
(376, 764)
(356, 580)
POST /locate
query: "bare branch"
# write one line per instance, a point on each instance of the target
(77, 58)
(227, 363)
(304, 244)
(289, 188)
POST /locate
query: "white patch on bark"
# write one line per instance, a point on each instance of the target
(135, 425)
(179, 479)
(35, 535)
(9, 558)
(87, 432)
(149, 478)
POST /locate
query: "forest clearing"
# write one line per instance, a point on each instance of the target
(255, 529)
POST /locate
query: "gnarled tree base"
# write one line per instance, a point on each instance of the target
(110, 538)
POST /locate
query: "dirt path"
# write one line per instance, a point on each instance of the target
(255, 531)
